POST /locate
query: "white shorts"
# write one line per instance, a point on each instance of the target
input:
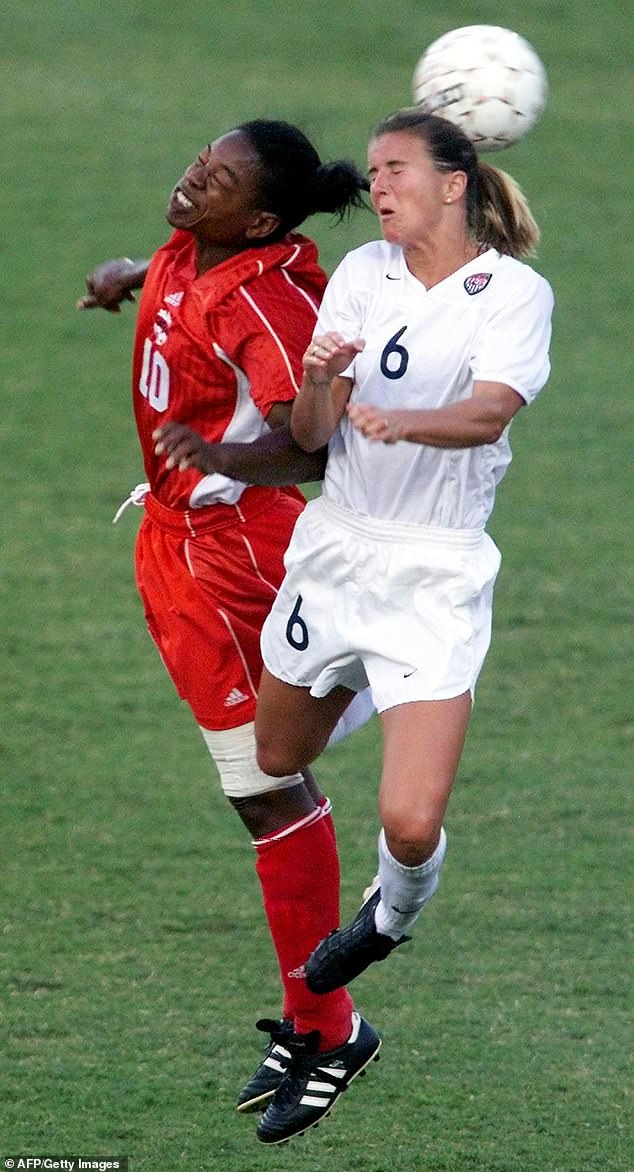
(403, 608)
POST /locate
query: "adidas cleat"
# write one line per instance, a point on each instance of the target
(314, 1081)
(264, 1082)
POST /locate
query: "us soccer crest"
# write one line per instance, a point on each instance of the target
(476, 282)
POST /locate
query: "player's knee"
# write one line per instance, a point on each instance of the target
(412, 837)
(274, 759)
(241, 775)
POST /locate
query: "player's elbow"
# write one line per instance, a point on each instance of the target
(491, 412)
(306, 437)
(493, 423)
(492, 430)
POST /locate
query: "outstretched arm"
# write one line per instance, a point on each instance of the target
(469, 423)
(112, 282)
(273, 459)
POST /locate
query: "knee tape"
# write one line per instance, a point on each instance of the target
(233, 752)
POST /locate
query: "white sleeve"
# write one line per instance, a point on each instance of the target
(512, 345)
(341, 308)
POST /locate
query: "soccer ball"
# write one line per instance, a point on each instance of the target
(487, 80)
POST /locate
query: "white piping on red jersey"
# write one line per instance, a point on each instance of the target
(275, 337)
(256, 567)
(245, 665)
(246, 424)
(298, 289)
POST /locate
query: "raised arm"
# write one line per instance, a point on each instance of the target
(112, 282)
(324, 393)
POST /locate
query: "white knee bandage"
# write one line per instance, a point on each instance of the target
(233, 751)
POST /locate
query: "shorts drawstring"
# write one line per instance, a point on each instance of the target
(136, 497)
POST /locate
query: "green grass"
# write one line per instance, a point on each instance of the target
(134, 954)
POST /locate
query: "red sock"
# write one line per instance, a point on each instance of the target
(298, 869)
(326, 807)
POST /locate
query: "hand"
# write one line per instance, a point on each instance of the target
(328, 355)
(185, 448)
(375, 423)
(110, 284)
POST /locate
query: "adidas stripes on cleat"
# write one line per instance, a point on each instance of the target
(314, 1081)
(348, 951)
(264, 1082)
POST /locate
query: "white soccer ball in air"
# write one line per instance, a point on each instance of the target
(487, 80)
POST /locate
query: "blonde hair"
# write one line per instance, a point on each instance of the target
(502, 217)
(497, 212)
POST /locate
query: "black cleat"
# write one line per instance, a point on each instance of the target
(314, 1082)
(264, 1082)
(348, 951)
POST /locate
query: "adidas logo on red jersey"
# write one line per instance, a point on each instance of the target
(235, 697)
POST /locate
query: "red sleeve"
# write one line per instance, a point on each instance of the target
(266, 327)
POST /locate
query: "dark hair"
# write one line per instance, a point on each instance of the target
(497, 212)
(294, 183)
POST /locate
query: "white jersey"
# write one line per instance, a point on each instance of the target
(490, 321)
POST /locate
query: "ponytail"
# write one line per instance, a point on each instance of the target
(338, 188)
(294, 183)
(501, 217)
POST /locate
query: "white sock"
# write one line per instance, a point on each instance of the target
(405, 890)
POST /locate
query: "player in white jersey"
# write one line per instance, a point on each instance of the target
(427, 345)
(483, 308)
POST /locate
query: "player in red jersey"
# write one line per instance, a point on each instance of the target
(228, 307)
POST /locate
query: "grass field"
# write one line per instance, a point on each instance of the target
(134, 954)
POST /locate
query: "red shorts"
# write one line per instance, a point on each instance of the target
(208, 578)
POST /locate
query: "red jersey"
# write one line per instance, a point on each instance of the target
(217, 351)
